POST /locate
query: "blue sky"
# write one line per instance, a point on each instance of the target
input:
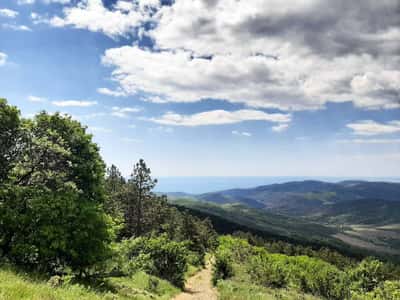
(222, 88)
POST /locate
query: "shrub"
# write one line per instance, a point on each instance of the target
(388, 290)
(367, 275)
(157, 256)
(307, 274)
(223, 266)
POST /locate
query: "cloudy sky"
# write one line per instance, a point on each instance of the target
(215, 87)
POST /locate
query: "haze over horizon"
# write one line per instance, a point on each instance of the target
(215, 87)
(206, 184)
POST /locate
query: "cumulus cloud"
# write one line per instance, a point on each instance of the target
(92, 15)
(123, 112)
(370, 141)
(369, 127)
(25, 2)
(16, 27)
(295, 55)
(241, 133)
(74, 103)
(219, 117)
(36, 99)
(280, 127)
(8, 13)
(3, 58)
(113, 93)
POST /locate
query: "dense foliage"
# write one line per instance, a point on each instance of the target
(157, 256)
(236, 258)
(51, 198)
(60, 211)
(275, 246)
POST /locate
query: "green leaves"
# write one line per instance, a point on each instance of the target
(158, 256)
(10, 138)
(51, 203)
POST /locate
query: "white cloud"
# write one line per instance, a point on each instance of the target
(72, 103)
(36, 99)
(241, 133)
(16, 27)
(280, 127)
(370, 141)
(8, 13)
(114, 93)
(262, 53)
(219, 117)
(92, 15)
(57, 1)
(287, 60)
(123, 112)
(3, 58)
(370, 127)
(25, 2)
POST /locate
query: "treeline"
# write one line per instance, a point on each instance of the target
(62, 213)
(238, 261)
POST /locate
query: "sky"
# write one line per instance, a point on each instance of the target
(215, 87)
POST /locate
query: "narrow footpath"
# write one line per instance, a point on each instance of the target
(199, 286)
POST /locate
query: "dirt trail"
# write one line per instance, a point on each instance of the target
(199, 287)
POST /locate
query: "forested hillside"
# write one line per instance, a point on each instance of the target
(360, 214)
(71, 228)
(323, 200)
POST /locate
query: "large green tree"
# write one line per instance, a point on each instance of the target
(52, 215)
(10, 138)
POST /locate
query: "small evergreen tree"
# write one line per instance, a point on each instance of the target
(138, 198)
(115, 189)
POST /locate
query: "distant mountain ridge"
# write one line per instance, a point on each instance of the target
(318, 200)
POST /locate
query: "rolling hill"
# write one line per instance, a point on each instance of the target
(359, 214)
(348, 201)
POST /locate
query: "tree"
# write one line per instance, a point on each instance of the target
(115, 188)
(138, 198)
(10, 138)
(53, 217)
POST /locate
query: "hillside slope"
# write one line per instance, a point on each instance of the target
(355, 201)
(351, 239)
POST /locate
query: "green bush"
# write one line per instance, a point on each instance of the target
(307, 274)
(388, 290)
(223, 266)
(157, 256)
(367, 275)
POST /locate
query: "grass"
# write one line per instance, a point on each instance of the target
(231, 290)
(141, 286)
(192, 270)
